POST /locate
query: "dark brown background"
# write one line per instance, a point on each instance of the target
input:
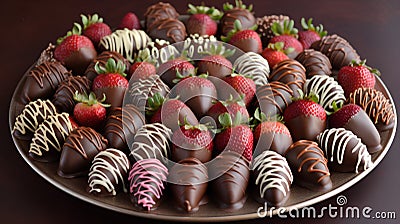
(27, 27)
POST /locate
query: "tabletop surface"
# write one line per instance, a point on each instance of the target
(28, 26)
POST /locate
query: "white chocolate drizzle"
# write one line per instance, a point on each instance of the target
(108, 163)
(158, 56)
(253, 65)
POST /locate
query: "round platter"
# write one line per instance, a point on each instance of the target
(300, 197)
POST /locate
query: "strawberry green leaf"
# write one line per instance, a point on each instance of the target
(225, 120)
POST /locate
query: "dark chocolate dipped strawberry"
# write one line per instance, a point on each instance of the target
(273, 98)
(169, 70)
(151, 141)
(352, 117)
(75, 51)
(122, 123)
(170, 112)
(203, 20)
(309, 166)
(192, 141)
(287, 34)
(229, 174)
(264, 25)
(63, 99)
(235, 136)
(315, 63)
(102, 59)
(231, 106)
(376, 105)
(241, 86)
(270, 134)
(246, 40)
(147, 183)
(310, 33)
(290, 72)
(215, 63)
(344, 150)
(170, 29)
(159, 11)
(188, 184)
(238, 12)
(111, 82)
(78, 151)
(197, 92)
(272, 177)
(305, 118)
(108, 173)
(337, 49)
(47, 55)
(42, 81)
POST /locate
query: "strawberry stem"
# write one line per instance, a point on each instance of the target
(90, 99)
(363, 63)
(90, 20)
(111, 67)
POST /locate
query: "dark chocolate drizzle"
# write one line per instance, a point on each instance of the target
(315, 63)
(63, 99)
(274, 97)
(290, 72)
(159, 11)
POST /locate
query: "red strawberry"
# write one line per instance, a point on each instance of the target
(288, 35)
(192, 141)
(111, 81)
(130, 21)
(352, 117)
(75, 51)
(235, 136)
(197, 92)
(202, 20)
(241, 86)
(246, 40)
(270, 134)
(356, 75)
(305, 118)
(170, 112)
(216, 63)
(274, 53)
(73, 122)
(94, 28)
(89, 111)
(310, 33)
(168, 71)
(231, 106)
(141, 70)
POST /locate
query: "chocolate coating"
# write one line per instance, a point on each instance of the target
(102, 59)
(42, 81)
(245, 17)
(264, 27)
(274, 97)
(215, 66)
(108, 173)
(376, 105)
(305, 127)
(309, 166)
(122, 125)
(315, 63)
(47, 55)
(159, 11)
(171, 30)
(188, 183)
(290, 72)
(114, 95)
(78, 151)
(78, 61)
(272, 177)
(229, 174)
(63, 99)
(344, 150)
(337, 49)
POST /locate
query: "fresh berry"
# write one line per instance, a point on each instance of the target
(89, 111)
(215, 63)
(75, 51)
(74, 124)
(288, 35)
(305, 118)
(275, 53)
(141, 70)
(241, 86)
(168, 71)
(192, 141)
(311, 33)
(130, 21)
(234, 136)
(246, 40)
(356, 75)
(231, 106)
(203, 20)
(94, 28)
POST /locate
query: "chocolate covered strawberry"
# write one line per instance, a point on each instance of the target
(89, 111)
(288, 35)
(75, 51)
(310, 34)
(202, 20)
(246, 40)
(235, 136)
(305, 118)
(130, 21)
(111, 81)
(168, 71)
(356, 75)
(170, 112)
(215, 63)
(141, 70)
(353, 118)
(275, 53)
(242, 86)
(240, 12)
(94, 28)
(197, 92)
(231, 106)
(192, 142)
